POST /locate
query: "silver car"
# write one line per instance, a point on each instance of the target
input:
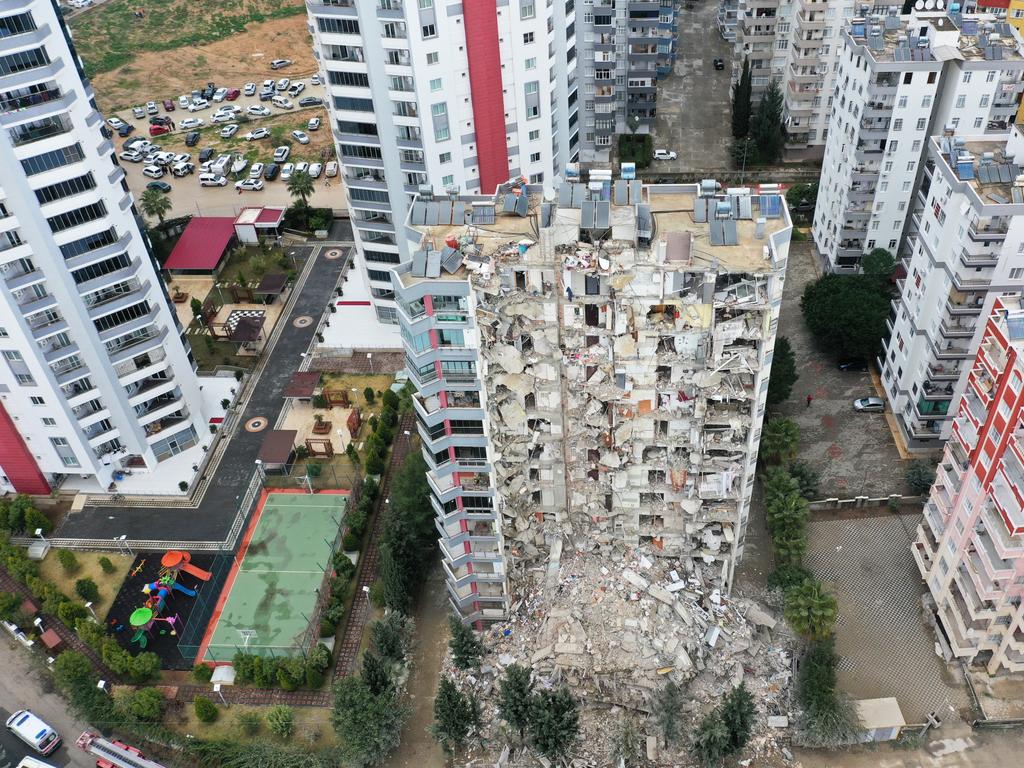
(869, 405)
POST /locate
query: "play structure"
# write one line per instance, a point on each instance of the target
(145, 619)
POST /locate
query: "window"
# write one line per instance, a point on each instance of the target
(537, 178)
(528, 38)
(25, 380)
(991, 75)
(447, 181)
(368, 195)
(961, 101)
(36, 400)
(358, 79)
(921, 123)
(429, 31)
(984, 101)
(426, 4)
(379, 275)
(76, 217)
(535, 157)
(531, 63)
(908, 78)
(13, 355)
(48, 422)
(903, 102)
(444, 158)
(59, 442)
(433, 57)
(50, 160)
(88, 243)
(1017, 274)
(24, 60)
(387, 315)
(532, 88)
(4, 334)
(534, 135)
(381, 257)
(967, 76)
(916, 146)
(341, 26)
(897, 125)
(353, 105)
(978, 121)
(527, 11)
(64, 189)
(436, 84)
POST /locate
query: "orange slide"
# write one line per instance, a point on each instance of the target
(179, 561)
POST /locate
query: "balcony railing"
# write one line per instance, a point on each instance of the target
(17, 103)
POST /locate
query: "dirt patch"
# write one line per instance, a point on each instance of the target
(154, 74)
(312, 724)
(88, 567)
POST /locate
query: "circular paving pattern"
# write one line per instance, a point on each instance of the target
(302, 321)
(256, 425)
(334, 253)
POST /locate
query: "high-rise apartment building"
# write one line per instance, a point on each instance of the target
(591, 370)
(970, 546)
(902, 79)
(966, 247)
(95, 374)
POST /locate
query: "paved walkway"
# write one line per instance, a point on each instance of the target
(357, 362)
(212, 519)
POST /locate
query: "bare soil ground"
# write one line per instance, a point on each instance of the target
(164, 74)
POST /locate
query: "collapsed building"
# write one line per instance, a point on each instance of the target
(591, 370)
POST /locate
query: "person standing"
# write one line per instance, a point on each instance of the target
(810, 399)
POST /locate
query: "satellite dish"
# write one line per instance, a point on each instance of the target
(929, 5)
(919, 5)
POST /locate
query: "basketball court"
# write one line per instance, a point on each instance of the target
(271, 592)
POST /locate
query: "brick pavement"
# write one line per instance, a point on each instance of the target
(383, 362)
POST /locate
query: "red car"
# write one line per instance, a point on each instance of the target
(158, 130)
(168, 105)
(233, 94)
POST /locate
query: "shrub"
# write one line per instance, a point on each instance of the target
(281, 721)
(291, 673)
(357, 521)
(327, 628)
(249, 723)
(343, 567)
(205, 709)
(87, 590)
(369, 395)
(314, 470)
(183, 486)
(373, 422)
(69, 612)
(806, 478)
(377, 594)
(390, 399)
(146, 704)
(314, 677)
(920, 476)
(36, 520)
(375, 465)
(388, 416)
(68, 561)
(106, 565)
(9, 603)
(202, 673)
(350, 542)
(370, 490)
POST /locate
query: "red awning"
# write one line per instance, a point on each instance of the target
(202, 244)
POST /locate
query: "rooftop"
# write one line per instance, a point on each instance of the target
(936, 36)
(268, 216)
(987, 165)
(202, 245)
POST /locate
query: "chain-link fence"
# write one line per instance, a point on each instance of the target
(206, 602)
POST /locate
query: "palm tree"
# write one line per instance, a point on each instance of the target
(777, 483)
(779, 440)
(300, 185)
(787, 514)
(155, 204)
(790, 547)
(810, 610)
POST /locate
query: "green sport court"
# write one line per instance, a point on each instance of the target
(271, 593)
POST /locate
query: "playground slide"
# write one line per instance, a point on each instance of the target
(186, 590)
(199, 573)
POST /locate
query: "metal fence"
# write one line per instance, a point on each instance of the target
(206, 601)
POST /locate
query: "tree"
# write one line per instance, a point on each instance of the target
(281, 721)
(920, 476)
(744, 153)
(249, 722)
(738, 712)
(827, 718)
(68, 561)
(766, 129)
(451, 717)
(300, 185)
(802, 198)
(668, 704)
(466, 648)
(787, 575)
(106, 565)
(783, 375)
(711, 741)
(741, 108)
(787, 515)
(878, 263)
(206, 711)
(515, 694)
(145, 704)
(368, 726)
(810, 610)
(69, 612)
(554, 723)
(72, 669)
(376, 673)
(805, 477)
(626, 747)
(87, 590)
(790, 547)
(36, 520)
(390, 399)
(846, 313)
(392, 635)
(779, 440)
(155, 204)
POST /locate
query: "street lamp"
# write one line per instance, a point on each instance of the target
(369, 356)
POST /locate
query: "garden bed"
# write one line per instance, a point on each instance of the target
(51, 570)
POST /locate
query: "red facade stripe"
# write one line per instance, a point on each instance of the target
(481, 21)
(17, 460)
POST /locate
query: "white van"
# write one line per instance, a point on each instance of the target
(283, 102)
(31, 762)
(33, 731)
(212, 180)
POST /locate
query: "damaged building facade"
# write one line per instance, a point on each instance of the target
(591, 374)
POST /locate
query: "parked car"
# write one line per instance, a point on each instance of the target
(151, 108)
(282, 102)
(269, 85)
(313, 124)
(115, 122)
(138, 112)
(220, 94)
(131, 155)
(158, 130)
(209, 90)
(168, 105)
(222, 117)
(314, 80)
(302, 167)
(282, 84)
(719, 64)
(198, 104)
(205, 154)
(310, 101)
(853, 364)
(183, 101)
(228, 131)
(280, 63)
(664, 154)
(315, 169)
(331, 169)
(233, 93)
(160, 120)
(191, 138)
(300, 137)
(287, 170)
(250, 185)
(182, 169)
(125, 130)
(257, 110)
(256, 171)
(163, 159)
(153, 171)
(869, 405)
(296, 89)
(33, 731)
(281, 154)
(139, 144)
(271, 171)
(190, 123)
(212, 180)
(249, 89)
(257, 133)
(159, 186)
(267, 95)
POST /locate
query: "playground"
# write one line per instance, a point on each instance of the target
(270, 598)
(156, 602)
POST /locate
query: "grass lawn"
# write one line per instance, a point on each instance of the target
(110, 35)
(255, 264)
(88, 566)
(312, 725)
(210, 355)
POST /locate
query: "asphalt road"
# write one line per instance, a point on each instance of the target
(24, 685)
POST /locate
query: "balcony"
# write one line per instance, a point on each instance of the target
(940, 372)
(160, 428)
(52, 126)
(952, 350)
(957, 329)
(924, 551)
(990, 232)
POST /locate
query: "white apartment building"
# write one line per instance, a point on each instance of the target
(966, 249)
(456, 97)
(902, 79)
(590, 369)
(95, 375)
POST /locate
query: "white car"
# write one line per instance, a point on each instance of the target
(258, 110)
(151, 156)
(664, 154)
(151, 108)
(268, 85)
(313, 124)
(198, 104)
(138, 113)
(296, 89)
(287, 170)
(222, 117)
(280, 63)
(220, 94)
(314, 80)
(281, 154)
(252, 185)
(229, 109)
(256, 171)
(153, 171)
(302, 167)
(256, 133)
(184, 101)
(331, 169)
(249, 89)
(300, 137)
(228, 131)
(183, 157)
(131, 156)
(115, 122)
(283, 83)
(189, 123)
(212, 180)
(282, 103)
(315, 170)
